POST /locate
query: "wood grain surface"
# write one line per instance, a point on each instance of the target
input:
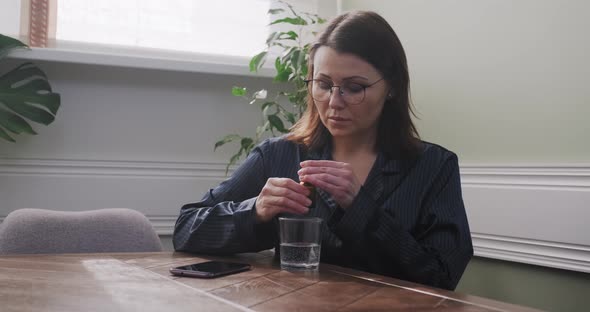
(141, 282)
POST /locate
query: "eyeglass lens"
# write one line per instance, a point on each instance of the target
(351, 93)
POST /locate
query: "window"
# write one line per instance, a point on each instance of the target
(229, 27)
(211, 35)
(9, 17)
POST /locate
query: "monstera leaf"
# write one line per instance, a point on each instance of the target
(25, 94)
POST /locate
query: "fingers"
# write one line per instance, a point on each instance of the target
(336, 178)
(327, 182)
(284, 204)
(323, 163)
(341, 190)
(281, 195)
(333, 173)
(284, 187)
(287, 184)
(333, 168)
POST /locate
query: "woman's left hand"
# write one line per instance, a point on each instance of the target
(334, 177)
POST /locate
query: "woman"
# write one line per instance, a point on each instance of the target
(391, 203)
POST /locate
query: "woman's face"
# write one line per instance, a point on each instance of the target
(346, 113)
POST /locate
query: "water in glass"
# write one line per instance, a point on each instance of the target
(304, 256)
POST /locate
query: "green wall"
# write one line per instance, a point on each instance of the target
(497, 81)
(528, 285)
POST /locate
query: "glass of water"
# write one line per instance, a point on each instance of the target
(300, 243)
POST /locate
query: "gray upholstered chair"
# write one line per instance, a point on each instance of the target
(36, 231)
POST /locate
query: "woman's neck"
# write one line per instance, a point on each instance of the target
(360, 153)
(345, 148)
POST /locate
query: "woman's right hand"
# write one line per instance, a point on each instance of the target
(281, 195)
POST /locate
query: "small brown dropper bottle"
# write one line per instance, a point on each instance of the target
(311, 195)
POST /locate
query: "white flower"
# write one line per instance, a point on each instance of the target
(260, 95)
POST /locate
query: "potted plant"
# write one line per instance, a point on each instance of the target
(283, 109)
(25, 94)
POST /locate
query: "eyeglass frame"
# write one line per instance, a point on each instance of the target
(332, 86)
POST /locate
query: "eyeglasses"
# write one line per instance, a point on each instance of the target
(352, 93)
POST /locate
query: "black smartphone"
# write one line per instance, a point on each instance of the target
(210, 269)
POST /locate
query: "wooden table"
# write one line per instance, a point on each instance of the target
(141, 282)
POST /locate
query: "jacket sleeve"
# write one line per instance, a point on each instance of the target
(435, 253)
(223, 222)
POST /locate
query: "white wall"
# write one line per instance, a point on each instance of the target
(124, 137)
(10, 17)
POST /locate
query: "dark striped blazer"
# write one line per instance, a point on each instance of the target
(407, 221)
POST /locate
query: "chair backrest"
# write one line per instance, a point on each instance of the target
(36, 231)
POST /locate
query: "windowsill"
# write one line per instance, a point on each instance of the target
(137, 57)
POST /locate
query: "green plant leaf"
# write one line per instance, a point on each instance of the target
(277, 123)
(249, 148)
(19, 105)
(5, 136)
(278, 64)
(24, 72)
(25, 92)
(289, 35)
(14, 123)
(238, 91)
(292, 97)
(302, 60)
(283, 75)
(290, 8)
(272, 37)
(275, 11)
(257, 61)
(246, 144)
(263, 128)
(278, 44)
(290, 20)
(226, 139)
(290, 117)
(295, 59)
(265, 104)
(304, 70)
(8, 44)
(235, 157)
(315, 19)
(286, 57)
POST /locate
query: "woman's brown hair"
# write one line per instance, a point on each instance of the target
(368, 36)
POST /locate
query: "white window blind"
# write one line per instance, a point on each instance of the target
(9, 17)
(228, 27)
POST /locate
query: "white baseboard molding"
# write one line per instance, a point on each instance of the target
(112, 168)
(548, 254)
(553, 176)
(533, 214)
(164, 225)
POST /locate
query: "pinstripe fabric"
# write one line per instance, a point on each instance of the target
(408, 220)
